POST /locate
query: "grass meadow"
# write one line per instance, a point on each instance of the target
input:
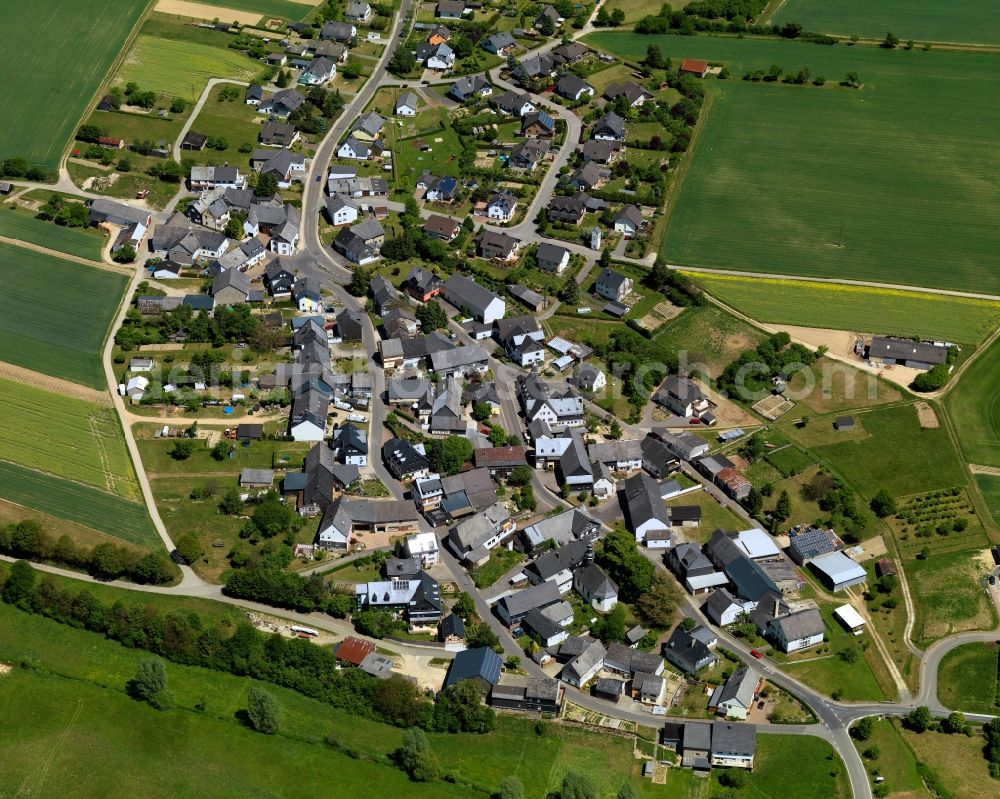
(818, 770)
(860, 309)
(974, 406)
(709, 335)
(895, 761)
(66, 437)
(967, 679)
(889, 449)
(54, 315)
(73, 701)
(181, 69)
(989, 487)
(833, 182)
(949, 597)
(955, 762)
(86, 243)
(78, 503)
(963, 21)
(57, 56)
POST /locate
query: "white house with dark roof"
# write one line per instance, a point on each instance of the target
(473, 299)
(406, 105)
(613, 285)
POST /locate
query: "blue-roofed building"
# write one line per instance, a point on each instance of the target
(749, 579)
(481, 664)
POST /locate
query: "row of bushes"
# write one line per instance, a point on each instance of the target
(108, 561)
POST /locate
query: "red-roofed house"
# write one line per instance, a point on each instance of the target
(501, 461)
(694, 66)
(353, 650)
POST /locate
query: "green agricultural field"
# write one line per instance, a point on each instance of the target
(989, 487)
(893, 452)
(74, 670)
(56, 57)
(65, 436)
(974, 407)
(85, 243)
(55, 315)
(948, 595)
(765, 193)
(968, 679)
(100, 510)
(859, 309)
(972, 21)
(181, 69)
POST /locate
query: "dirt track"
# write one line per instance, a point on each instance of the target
(21, 375)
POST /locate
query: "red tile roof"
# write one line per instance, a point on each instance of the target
(500, 456)
(694, 65)
(353, 650)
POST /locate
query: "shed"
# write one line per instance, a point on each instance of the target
(249, 432)
(885, 566)
(850, 618)
(257, 478)
(843, 423)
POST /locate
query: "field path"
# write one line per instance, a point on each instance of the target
(65, 257)
(54, 384)
(976, 468)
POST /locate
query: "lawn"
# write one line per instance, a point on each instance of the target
(972, 21)
(818, 770)
(137, 127)
(713, 516)
(232, 121)
(895, 761)
(54, 315)
(181, 69)
(948, 595)
(442, 159)
(805, 207)
(86, 36)
(707, 336)
(155, 453)
(128, 184)
(501, 561)
(65, 436)
(968, 679)
(109, 514)
(71, 665)
(86, 243)
(974, 406)
(892, 452)
(859, 309)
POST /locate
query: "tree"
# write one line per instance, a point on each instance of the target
(125, 254)
(753, 501)
(481, 411)
(402, 61)
(890, 42)
(150, 683)
(221, 450)
(520, 475)
(783, 508)
(449, 455)
(612, 626)
(271, 516)
(178, 106)
(918, 720)
(658, 606)
(863, 730)
(152, 568)
(654, 57)
(460, 708)
(231, 504)
(107, 562)
(621, 559)
(263, 710)
(465, 606)
(511, 788)
(883, 504)
(20, 584)
(182, 449)
(417, 758)
(734, 778)
(481, 635)
(189, 547)
(956, 724)
(432, 316)
(397, 700)
(360, 278)
(577, 786)
(570, 291)
(615, 430)
(267, 185)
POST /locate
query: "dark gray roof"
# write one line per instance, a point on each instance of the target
(733, 738)
(483, 663)
(538, 596)
(749, 579)
(643, 501)
(906, 349)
